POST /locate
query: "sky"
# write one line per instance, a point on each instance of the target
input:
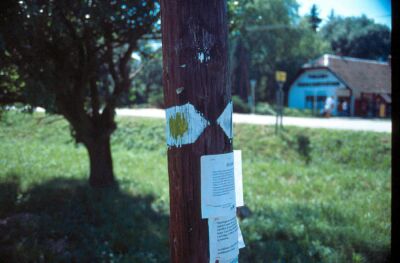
(379, 10)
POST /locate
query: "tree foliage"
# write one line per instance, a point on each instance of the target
(314, 18)
(357, 37)
(274, 37)
(74, 58)
(11, 86)
(147, 85)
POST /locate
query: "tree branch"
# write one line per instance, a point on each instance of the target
(94, 98)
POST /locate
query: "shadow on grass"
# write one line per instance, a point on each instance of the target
(65, 220)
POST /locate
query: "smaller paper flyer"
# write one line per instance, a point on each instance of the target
(223, 238)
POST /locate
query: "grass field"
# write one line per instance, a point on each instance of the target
(314, 195)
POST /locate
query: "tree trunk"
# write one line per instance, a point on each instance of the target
(101, 167)
(241, 80)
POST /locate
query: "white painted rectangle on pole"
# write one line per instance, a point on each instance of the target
(217, 185)
(237, 154)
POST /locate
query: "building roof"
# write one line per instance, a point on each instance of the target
(368, 76)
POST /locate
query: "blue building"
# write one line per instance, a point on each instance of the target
(365, 85)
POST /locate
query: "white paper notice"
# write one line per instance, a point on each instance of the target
(223, 235)
(238, 177)
(217, 185)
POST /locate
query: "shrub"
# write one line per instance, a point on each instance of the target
(156, 99)
(297, 112)
(303, 147)
(239, 105)
(265, 108)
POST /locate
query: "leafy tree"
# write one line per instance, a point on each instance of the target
(11, 86)
(313, 18)
(74, 58)
(147, 85)
(331, 15)
(357, 37)
(240, 64)
(269, 36)
(239, 54)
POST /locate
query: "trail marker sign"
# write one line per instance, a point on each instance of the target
(280, 76)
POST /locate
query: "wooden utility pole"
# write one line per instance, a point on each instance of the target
(195, 71)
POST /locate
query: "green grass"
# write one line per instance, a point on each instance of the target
(315, 195)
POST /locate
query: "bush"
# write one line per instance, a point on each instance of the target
(265, 108)
(239, 105)
(303, 147)
(297, 112)
(156, 99)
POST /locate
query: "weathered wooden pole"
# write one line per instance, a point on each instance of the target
(195, 71)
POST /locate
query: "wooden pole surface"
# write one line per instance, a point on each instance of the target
(195, 71)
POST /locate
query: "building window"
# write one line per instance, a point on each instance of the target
(317, 76)
(307, 84)
(311, 100)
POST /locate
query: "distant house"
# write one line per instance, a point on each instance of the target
(365, 85)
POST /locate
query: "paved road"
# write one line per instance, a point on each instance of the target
(355, 124)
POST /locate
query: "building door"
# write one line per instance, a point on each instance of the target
(343, 106)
